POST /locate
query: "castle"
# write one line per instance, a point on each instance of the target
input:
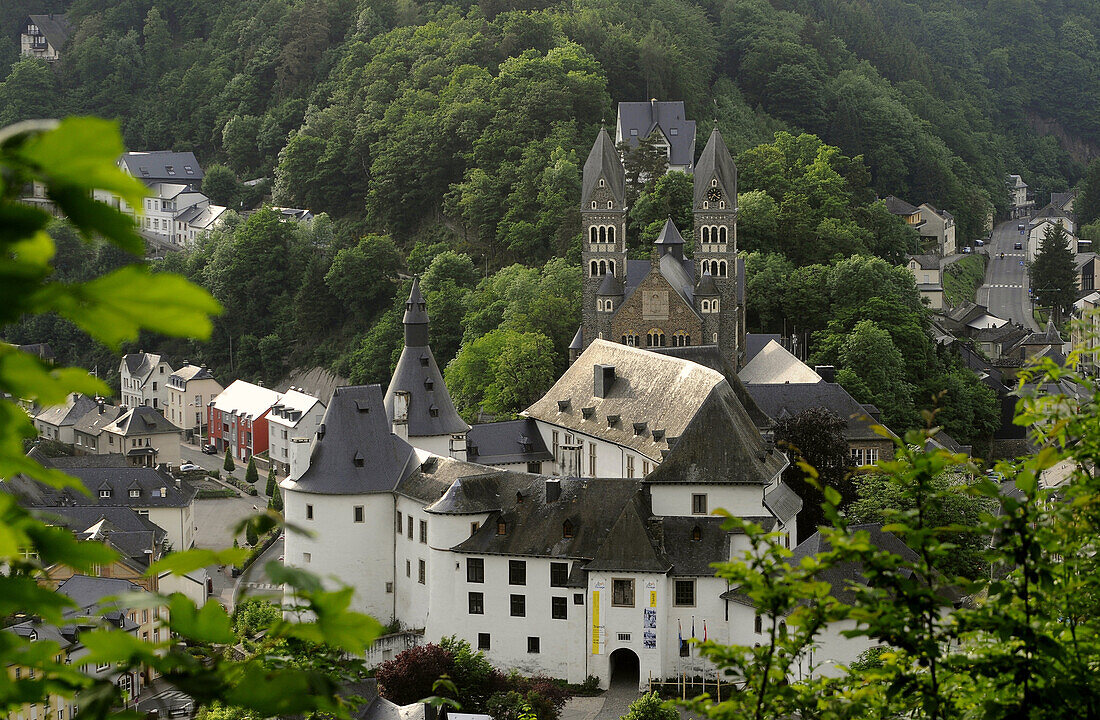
(670, 300)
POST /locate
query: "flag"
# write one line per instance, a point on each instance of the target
(692, 627)
(704, 631)
(680, 633)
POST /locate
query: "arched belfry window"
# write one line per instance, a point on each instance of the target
(593, 234)
(611, 234)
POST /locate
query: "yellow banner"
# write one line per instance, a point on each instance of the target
(595, 622)
(653, 598)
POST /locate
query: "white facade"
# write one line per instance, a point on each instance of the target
(611, 459)
(1038, 229)
(190, 390)
(144, 381)
(296, 415)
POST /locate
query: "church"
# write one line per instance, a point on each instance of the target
(671, 299)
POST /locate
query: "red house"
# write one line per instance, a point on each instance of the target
(238, 419)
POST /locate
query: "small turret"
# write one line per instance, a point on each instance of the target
(669, 241)
(416, 317)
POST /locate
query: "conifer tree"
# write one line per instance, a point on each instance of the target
(271, 484)
(251, 476)
(228, 465)
(1053, 274)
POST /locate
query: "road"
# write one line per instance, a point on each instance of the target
(1005, 289)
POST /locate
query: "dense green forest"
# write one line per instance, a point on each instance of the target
(446, 138)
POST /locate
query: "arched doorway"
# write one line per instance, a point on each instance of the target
(623, 668)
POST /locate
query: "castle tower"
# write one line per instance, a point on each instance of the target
(603, 224)
(715, 212)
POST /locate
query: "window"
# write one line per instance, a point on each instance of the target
(306, 558)
(655, 338)
(477, 603)
(567, 529)
(645, 468)
(592, 459)
(559, 608)
(578, 598)
(408, 569)
(699, 504)
(554, 443)
(630, 466)
(696, 533)
(421, 572)
(389, 588)
(309, 512)
(559, 574)
(410, 528)
(105, 493)
(624, 637)
(758, 625)
(534, 468)
(532, 644)
(475, 570)
(358, 513)
(483, 641)
(685, 593)
(502, 528)
(622, 592)
(864, 456)
(474, 527)
(424, 531)
(398, 523)
(681, 339)
(517, 572)
(518, 605)
(135, 493)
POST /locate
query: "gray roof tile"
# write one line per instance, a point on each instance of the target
(715, 162)
(603, 161)
(670, 117)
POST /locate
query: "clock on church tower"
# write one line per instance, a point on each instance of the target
(714, 195)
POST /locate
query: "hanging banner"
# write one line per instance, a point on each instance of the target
(649, 619)
(595, 622)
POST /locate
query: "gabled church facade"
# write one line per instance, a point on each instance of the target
(670, 300)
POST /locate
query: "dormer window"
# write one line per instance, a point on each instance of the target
(134, 493)
(502, 528)
(423, 361)
(567, 529)
(433, 411)
(105, 492)
(696, 534)
(358, 460)
(428, 383)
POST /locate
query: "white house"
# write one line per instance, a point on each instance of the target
(939, 225)
(144, 380)
(295, 415)
(58, 422)
(1020, 205)
(43, 36)
(667, 122)
(1047, 218)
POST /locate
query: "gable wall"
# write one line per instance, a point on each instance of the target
(679, 316)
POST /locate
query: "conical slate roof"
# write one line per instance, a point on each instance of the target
(715, 162)
(670, 235)
(706, 285)
(416, 308)
(611, 285)
(603, 161)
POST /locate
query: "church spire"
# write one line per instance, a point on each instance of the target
(416, 317)
(603, 163)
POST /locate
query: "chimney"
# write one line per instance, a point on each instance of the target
(401, 414)
(603, 377)
(458, 446)
(571, 460)
(553, 490)
(320, 432)
(299, 456)
(827, 372)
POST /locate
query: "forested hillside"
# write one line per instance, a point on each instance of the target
(446, 138)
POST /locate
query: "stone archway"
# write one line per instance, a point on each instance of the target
(624, 668)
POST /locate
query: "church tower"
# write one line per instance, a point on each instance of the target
(603, 224)
(715, 212)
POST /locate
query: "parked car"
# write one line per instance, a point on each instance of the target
(1020, 227)
(189, 466)
(1018, 246)
(209, 450)
(966, 250)
(979, 242)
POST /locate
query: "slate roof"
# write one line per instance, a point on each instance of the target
(514, 441)
(292, 407)
(1050, 212)
(715, 161)
(76, 406)
(776, 364)
(1050, 336)
(207, 216)
(680, 274)
(630, 546)
(42, 350)
(141, 365)
(603, 160)
(786, 400)
(578, 340)
(382, 709)
(90, 592)
(1082, 259)
(783, 502)
(187, 373)
(119, 480)
(926, 262)
(55, 27)
(162, 166)
(662, 391)
(63, 462)
(712, 357)
(721, 445)
(610, 286)
(706, 286)
(94, 421)
(646, 116)
(122, 519)
(669, 234)
(355, 451)
(141, 420)
(688, 556)
(897, 206)
(1061, 199)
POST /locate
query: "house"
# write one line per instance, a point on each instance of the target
(138, 541)
(144, 436)
(1045, 220)
(150, 492)
(88, 438)
(143, 380)
(1020, 206)
(776, 364)
(1086, 272)
(781, 401)
(938, 230)
(95, 608)
(195, 220)
(58, 422)
(299, 215)
(238, 419)
(929, 277)
(190, 391)
(995, 342)
(42, 350)
(43, 36)
(1064, 200)
(668, 124)
(669, 300)
(1048, 343)
(417, 402)
(295, 415)
(912, 215)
